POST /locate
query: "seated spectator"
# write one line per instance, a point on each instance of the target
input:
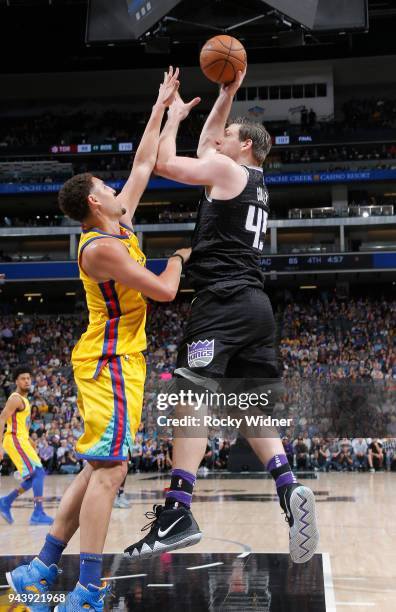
(360, 448)
(345, 458)
(69, 464)
(302, 455)
(61, 451)
(159, 458)
(224, 453)
(320, 458)
(46, 454)
(335, 452)
(136, 457)
(389, 449)
(375, 455)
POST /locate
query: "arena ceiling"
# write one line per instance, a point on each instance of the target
(49, 35)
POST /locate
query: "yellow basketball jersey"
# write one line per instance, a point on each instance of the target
(117, 314)
(18, 424)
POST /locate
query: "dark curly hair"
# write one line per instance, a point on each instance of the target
(21, 369)
(73, 196)
(256, 132)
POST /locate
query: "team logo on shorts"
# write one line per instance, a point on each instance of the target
(200, 353)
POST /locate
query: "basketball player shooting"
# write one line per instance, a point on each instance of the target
(108, 365)
(231, 314)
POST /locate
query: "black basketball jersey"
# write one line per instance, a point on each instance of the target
(228, 239)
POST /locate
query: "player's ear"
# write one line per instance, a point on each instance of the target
(92, 199)
(247, 144)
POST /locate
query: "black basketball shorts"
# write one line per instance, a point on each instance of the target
(230, 337)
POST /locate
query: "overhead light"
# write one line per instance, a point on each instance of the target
(41, 300)
(30, 295)
(308, 286)
(70, 293)
(20, 314)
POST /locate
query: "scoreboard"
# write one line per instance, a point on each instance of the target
(334, 262)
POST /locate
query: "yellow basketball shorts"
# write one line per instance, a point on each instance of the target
(110, 405)
(22, 454)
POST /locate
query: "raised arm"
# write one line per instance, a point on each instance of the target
(217, 119)
(114, 263)
(13, 404)
(146, 153)
(214, 170)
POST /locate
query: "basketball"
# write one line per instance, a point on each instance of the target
(221, 57)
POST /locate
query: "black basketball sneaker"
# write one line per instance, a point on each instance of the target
(170, 529)
(298, 504)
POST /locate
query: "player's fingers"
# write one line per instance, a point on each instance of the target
(193, 103)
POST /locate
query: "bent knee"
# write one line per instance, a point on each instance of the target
(111, 473)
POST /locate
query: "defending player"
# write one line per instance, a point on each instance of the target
(231, 326)
(16, 443)
(108, 365)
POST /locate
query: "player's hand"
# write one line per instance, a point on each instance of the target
(179, 109)
(185, 253)
(231, 88)
(168, 87)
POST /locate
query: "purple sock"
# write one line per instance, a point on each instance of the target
(180, 489)
(281, 471)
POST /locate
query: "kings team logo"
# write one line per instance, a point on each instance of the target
(200, 353)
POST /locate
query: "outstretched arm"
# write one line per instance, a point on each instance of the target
(217, 119)
(108, 259)
(146, 153)
(209, 171)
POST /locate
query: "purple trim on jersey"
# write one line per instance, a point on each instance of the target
(95, 229)
(89, 241)
(128, 227)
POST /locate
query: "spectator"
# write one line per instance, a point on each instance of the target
(224, 453)
(389, 450)
(375, 455)
(302, 455)
(360, 448)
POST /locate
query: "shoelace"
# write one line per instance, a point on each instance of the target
(153, 516)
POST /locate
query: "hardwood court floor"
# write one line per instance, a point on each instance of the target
(239, 514)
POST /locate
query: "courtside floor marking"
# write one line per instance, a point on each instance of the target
(123, 577)
(356, 604)
(328, 583)
(203, 566)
